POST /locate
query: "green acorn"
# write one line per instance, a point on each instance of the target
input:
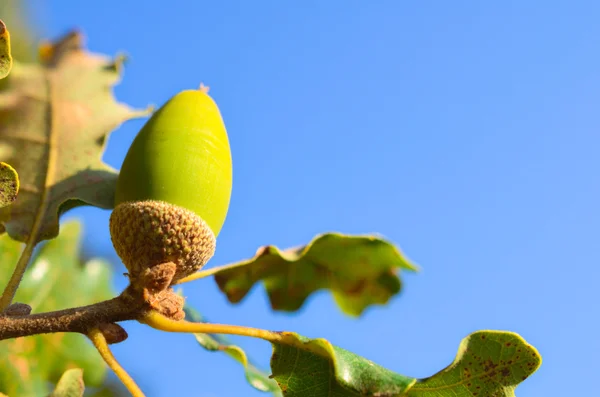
(174, 188)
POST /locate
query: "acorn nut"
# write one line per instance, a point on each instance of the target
(173, 190)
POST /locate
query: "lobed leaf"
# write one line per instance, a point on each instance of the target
(316, 368)
(488, 364)
(359, 270)
(257, 378)
(70, 384)
(56, 280)
(54, 121)
(6, 61)
(9, 184)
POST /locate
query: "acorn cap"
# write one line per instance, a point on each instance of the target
(149, 233)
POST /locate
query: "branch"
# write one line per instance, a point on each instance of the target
(98, 323)
(159, 308)
(79, 319)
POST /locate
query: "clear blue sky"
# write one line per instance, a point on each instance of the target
(466, 132)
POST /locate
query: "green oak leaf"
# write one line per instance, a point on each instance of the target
(9, 184)
(314, 367)
(5, 54)
(257, 378)
(70, 384)
(359, 270)
(54, 121)
(488, 364)
(55, 280)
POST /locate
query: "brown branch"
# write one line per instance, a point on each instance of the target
(79, 319)
(151, 291)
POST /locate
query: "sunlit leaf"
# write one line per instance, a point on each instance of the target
(5, 53)
(70, 384)
(54, 122)
(56, 280)
(257, 378)
(9, 184)
(314, 367)
(488, 364)
(359, 270)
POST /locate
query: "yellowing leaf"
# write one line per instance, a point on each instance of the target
(54, 121)
(359, 270)
(70, 384)
(5, 55)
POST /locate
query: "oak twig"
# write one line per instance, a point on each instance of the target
(79, 319)
(99, 323)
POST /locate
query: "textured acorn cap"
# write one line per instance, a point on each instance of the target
(148, 233)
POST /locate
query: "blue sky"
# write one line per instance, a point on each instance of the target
(466, 132)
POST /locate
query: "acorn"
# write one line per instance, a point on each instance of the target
(173, 191)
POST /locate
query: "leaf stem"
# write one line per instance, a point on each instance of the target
(13, 284)
(207, 273)
(162, 323)
(99, 342)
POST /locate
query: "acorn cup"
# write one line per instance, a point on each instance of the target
(172, 196)
(149, 233)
